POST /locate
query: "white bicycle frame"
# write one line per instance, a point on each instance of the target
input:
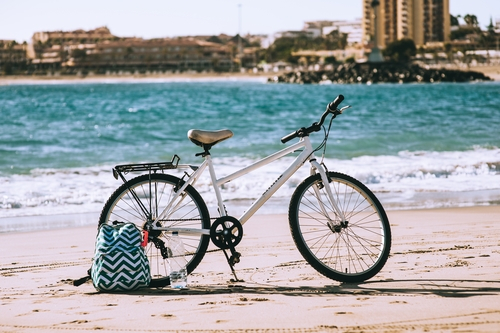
(300, 160)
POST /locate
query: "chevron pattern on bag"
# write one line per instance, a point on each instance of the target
(120, 263)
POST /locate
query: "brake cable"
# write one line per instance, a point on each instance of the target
(325, 140)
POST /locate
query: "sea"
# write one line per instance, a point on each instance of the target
(414, 145)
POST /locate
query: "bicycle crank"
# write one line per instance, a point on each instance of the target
(226, 232)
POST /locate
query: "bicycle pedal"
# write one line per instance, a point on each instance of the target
(235, 258)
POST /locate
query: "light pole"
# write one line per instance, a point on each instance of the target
(375, 55)
(239, 34)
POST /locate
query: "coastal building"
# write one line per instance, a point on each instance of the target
(423, 21)
(100, 51)
(265, 43)
(353, 30)
(12, 52)
(316, 27)
(47, 57)
(12, 56)
(73, 37)
(179, 54)
(43, 41)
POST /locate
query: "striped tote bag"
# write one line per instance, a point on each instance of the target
(120, 263)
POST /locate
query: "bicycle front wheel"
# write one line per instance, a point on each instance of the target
(353, 250)
(142, 199)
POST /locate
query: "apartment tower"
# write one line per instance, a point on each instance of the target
(422, 21)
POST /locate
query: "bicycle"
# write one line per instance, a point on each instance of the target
(337, 223)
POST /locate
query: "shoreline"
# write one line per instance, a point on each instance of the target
(493, 71)
(442, 275)
(275, 206)
(186, 77)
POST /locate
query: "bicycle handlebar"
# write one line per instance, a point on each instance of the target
(332, 107)
(315, 127)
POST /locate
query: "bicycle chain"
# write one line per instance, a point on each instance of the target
(211, 219)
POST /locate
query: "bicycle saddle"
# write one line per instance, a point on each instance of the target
(208, 138)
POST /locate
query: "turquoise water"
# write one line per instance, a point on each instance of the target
(80, 125)
(59, 140)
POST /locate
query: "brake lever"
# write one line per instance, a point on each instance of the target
(344, 108)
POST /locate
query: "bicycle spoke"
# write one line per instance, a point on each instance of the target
(353, 249)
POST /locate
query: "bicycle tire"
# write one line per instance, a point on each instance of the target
(122, 206)
(351, 252)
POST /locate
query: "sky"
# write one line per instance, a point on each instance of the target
(170, 18)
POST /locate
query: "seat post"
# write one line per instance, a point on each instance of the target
(207, 148)
(206, 151)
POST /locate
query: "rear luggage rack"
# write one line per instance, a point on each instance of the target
(150, 167)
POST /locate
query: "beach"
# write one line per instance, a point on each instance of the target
(132, 77)
(491, 70)
(427, 151)
(442, 275)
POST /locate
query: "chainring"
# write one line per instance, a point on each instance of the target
(226, 232)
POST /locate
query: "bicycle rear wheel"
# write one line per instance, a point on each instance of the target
(155, 192)
(348, 251)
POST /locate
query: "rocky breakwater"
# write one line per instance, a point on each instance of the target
(379, 73)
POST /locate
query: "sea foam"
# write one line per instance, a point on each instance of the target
(401, 180)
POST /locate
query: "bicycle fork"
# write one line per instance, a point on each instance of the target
(325, 180)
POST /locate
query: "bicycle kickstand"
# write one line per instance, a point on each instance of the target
(234, 259)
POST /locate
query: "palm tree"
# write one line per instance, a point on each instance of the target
(471, 20)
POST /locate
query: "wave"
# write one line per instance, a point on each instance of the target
(406, 180)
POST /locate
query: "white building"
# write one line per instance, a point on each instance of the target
(353, 29)
(316, 27)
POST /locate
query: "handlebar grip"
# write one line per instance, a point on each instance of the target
(289, 137)
(333, 105)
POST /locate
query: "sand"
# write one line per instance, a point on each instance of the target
(126, 78)
(491, 70)
(442, 275)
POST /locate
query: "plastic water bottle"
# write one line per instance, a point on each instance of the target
(177, 262)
